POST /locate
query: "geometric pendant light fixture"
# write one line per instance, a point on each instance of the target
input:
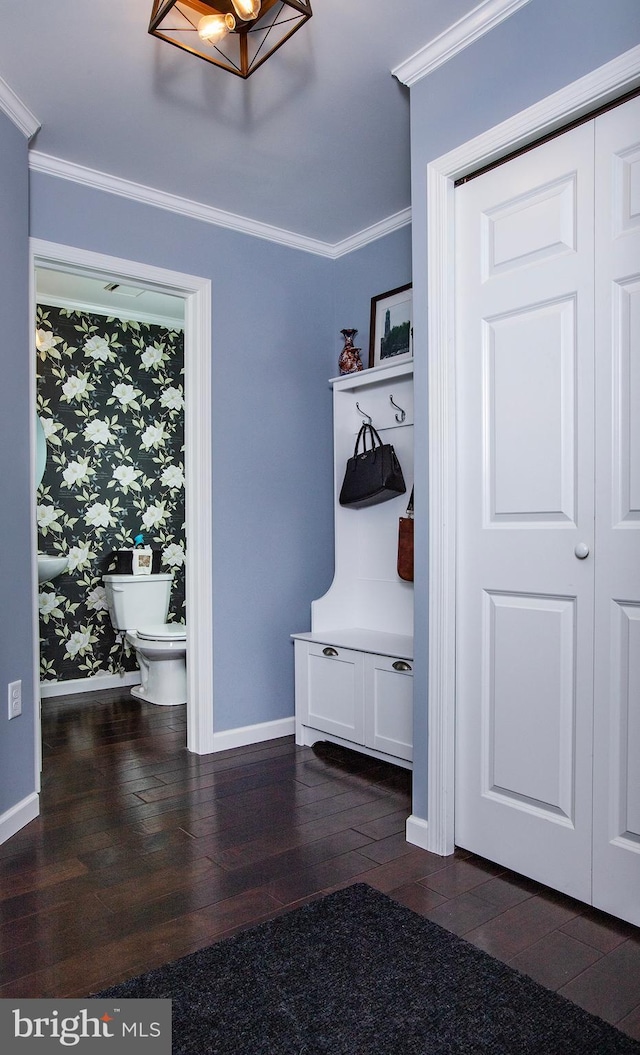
(238, 35)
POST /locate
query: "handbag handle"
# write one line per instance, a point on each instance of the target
(367, 430)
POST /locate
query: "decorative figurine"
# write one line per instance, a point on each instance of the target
(349, 361)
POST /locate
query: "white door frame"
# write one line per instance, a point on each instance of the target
(583, 96)
(196, 293)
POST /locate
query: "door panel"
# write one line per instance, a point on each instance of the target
(626, 719)
(616, 774)
(524, 375)
(613, 132)
(529, 370)
(528, 735)
(536, 225)
(626, 401)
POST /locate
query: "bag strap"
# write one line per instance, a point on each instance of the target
(410, 506)
(358, 438)
(367, 430)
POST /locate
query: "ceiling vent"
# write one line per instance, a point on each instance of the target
(123, 291)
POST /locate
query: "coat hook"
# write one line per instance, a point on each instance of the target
(402, 415)
(364, 415)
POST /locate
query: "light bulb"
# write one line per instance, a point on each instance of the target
(212, 28)
(247, 9)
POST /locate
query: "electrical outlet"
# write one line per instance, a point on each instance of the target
(15, 698)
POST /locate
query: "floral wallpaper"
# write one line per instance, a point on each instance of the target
(110, 395)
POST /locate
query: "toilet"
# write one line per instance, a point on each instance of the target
(138, 604)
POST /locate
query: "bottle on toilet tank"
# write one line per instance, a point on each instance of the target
(141, 557)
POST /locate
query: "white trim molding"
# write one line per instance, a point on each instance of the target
(417, 832)
(52, 166)
(99, 682)
(595, 89)
(16, 110)
(370, 234)
(196, 293)
(18, 816)
(483, 18)
(245, 735)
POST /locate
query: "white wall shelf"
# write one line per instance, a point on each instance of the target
(375, 374)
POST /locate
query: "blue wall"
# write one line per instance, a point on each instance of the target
(17, 744)
(365, 273)
(545, 46)
(276, 314)
(271, 414)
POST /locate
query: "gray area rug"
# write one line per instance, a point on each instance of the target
(357, 974)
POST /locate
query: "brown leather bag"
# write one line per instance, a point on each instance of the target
(405, 543)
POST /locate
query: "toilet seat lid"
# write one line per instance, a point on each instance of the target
(163, 632)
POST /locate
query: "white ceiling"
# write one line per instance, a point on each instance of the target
(91, 294)
(315, 142)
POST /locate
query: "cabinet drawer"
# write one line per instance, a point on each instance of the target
(389, 708)
(333, 688)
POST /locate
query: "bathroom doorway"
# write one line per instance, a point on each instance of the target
(76, 281)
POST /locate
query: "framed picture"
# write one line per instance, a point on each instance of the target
(391, 330)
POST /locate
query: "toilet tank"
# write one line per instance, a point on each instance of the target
(136, 600)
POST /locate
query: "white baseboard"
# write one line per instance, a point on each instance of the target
(101, 681)
(253, 734)
(22, 813)
(417, 832)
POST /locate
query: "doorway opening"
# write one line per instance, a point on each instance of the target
(58, 267)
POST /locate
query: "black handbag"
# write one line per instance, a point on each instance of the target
(373, 474)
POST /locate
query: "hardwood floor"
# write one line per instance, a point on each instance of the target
(144, 852)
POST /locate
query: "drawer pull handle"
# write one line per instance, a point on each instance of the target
(401, 665)
(328, 651)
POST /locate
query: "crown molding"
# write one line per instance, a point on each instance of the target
(371, 234)
(453, 40)
(124, 188)
(15, 109)
(52, 166)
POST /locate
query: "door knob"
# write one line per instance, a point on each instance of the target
(581, 551)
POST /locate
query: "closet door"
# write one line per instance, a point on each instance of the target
(616, 798)
(524, 375)
(549, 513)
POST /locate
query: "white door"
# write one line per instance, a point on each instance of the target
(616, 797)
(529, 559)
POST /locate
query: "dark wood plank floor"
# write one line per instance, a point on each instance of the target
(144, 852)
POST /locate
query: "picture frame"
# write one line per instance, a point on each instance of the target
(391, 326)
